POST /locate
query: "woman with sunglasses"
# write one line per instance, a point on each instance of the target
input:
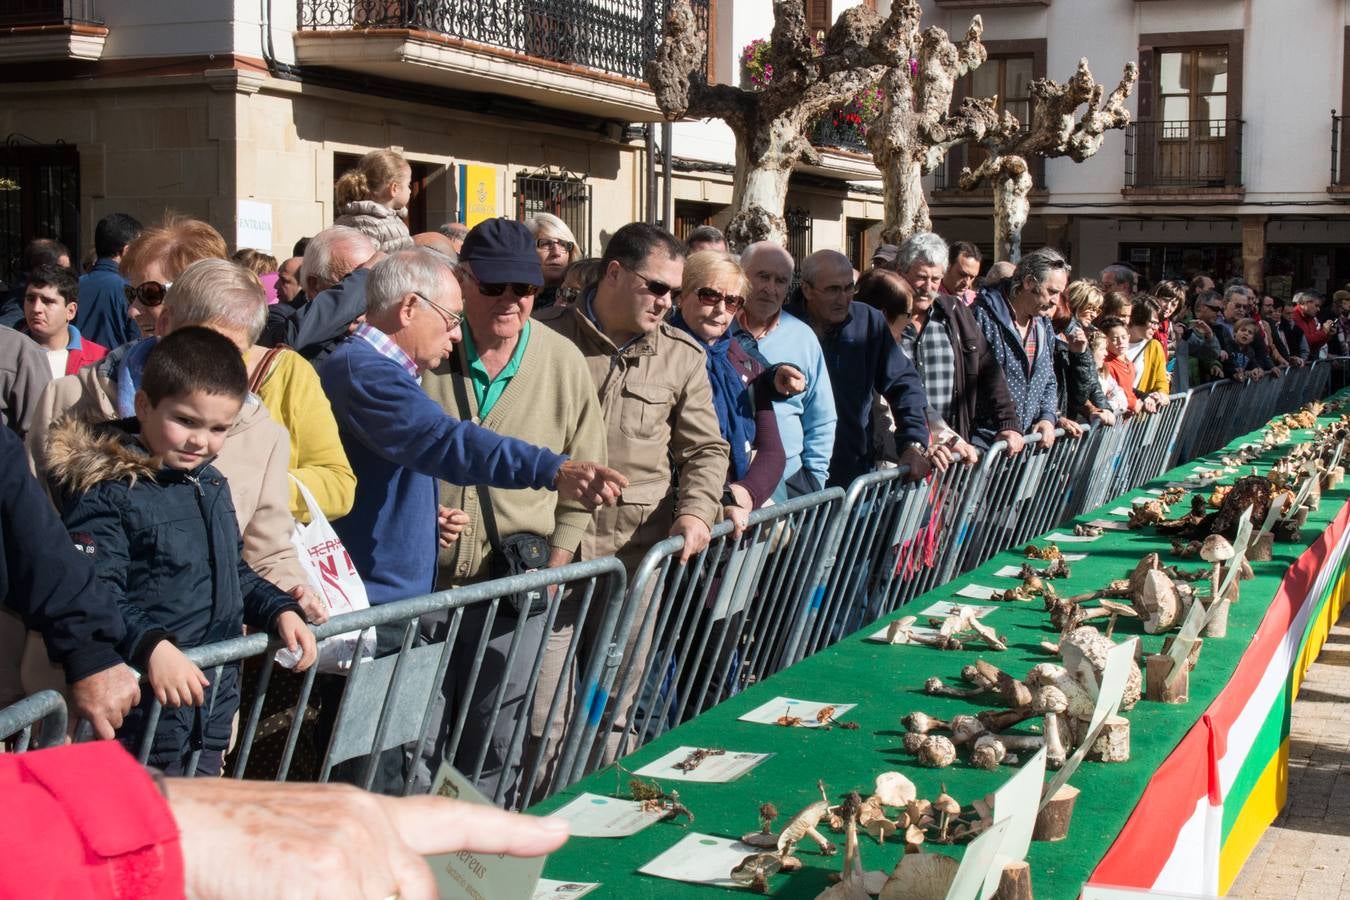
(557, 249)
(157, 257)
(743, 387)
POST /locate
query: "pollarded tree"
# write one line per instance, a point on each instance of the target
(917, 127)
(771, 123)
(1055, 131)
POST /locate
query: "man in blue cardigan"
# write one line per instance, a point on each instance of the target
(103, 316)
(862, 357)
(399, 440)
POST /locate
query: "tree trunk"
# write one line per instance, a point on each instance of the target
(1012, 207)
(895, 151)
(759, 188)
(905, 203)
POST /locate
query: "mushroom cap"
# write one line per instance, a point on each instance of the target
(988, 752)
(1049, 698)
(1216, 549)
(946, 803)
(894, 789)
(936, 752)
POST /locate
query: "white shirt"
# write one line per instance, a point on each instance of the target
(57, 360)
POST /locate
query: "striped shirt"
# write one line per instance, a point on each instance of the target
(387, 348)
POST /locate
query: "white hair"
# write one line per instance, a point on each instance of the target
(415, 271)
(332, 254)
(218, 292)
(750, 253)
(925, 247)
(544, 224)
(821, 259)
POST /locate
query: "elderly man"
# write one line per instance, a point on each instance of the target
(862, 357)
(518, 378)
(1017, 327)
(288, 282)
(653, 385)
(964, 384)
(333, 274)
(806, 422)
(963, 267)
(400, 441)
(1120, 278)
(706, 237)
(456, 232)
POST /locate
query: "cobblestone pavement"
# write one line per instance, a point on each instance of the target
(1305, 854)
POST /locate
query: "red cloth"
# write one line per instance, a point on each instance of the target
(88, 354)
(1122, 370)
(1311, 330)
(85, 821)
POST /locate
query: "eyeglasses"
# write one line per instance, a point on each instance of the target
(550, 243)
(147, 293)
(835, 290)
(658, 288)
(452, 319)
(712, 296)
(496, 290)
(1214, 307)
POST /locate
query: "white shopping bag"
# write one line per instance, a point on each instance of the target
(333, 576)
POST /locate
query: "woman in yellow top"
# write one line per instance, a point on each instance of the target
(1147, 353)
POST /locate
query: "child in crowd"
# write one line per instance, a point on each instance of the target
(142, 499)
(373, 199)
(50, 301)
(1116, 399)
(1117, 362)
(1249, 359)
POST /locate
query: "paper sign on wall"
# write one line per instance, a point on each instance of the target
(477, 194)
(253, 226)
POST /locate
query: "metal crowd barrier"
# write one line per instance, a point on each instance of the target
(34, 723)
(608, 666)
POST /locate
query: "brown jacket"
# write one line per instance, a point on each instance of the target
(255, 460)
(658, 408)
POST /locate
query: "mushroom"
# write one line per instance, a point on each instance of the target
(894, 789)
(1050, 702)
(1032, 742)
(1157, 602)
(912, 740)
(764, 837)
(755, 869)
(936, 752)
(1215, 550)
(803, 824)
(988, 752)
(1114, 611)
(936, 687)
(947, 808)
(901, 631)
(1085, 650)
(922, 723)
(1013, 692)
(998, 719)
(966, 729)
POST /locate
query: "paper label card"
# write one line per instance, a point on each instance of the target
(478, 876)
(1110, 524)
(977, 863)
(715, 768)
(1061, 538)
(1009, 572)
(1123, 511)
(978, 592)
(592, 815)
(701, 859)
(1016, 803)
(548, 889)
(944, 608)
(806, 710)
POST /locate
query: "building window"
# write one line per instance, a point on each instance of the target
(417, 203)
(819, 18)
(561, 193)
(1004, 77)
(690, 214)
(39, 198)
(861, 241)
(798, 236)
(705, 14)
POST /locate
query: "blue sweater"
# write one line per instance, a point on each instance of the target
(862, 356)
(399, 441)
(806, 422)
(103, 316)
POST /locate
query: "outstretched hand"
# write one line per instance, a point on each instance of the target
(591, 483)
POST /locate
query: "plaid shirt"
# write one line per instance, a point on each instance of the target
(386, 347)
(931, 352)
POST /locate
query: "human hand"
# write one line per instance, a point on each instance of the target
(1105, 416)
(591, 483)
(1046, 430)
(1076, 341)
(695, 533)
(1013, 437)
(917, 460)
(941, 456)
(104, 699)
(1071, 428)
(1149, 404)
(789, 381)
(297, 637)
(311, 603)
(1297, 362)
(1202, 329)
(298, 837)
(449, 525)
(176, 679)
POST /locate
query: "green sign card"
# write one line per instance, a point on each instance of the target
(479, 876)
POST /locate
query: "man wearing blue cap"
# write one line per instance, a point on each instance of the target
(521, 379)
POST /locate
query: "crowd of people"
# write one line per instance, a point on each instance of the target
(471, 402)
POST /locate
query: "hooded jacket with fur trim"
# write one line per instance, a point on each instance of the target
(166, 545)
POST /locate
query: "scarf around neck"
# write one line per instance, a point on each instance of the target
(731, 398)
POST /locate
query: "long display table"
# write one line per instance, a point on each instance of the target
(1203, 781)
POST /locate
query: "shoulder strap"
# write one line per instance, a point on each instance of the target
(265, 367)
(462, 403)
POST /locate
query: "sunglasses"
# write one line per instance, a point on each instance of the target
(712, 296)
(452, 319)
(496, 290)
(147, 293)
(550, 243)
(658, 288)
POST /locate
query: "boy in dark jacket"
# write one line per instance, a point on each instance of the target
(141, 498)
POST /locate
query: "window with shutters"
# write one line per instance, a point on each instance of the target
(819, 17)
(39, 198)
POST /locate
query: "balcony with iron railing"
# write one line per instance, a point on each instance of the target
(1200, 156)
(50, 30)
(47, 12)
(582, 55)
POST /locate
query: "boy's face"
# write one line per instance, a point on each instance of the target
(1099, 353)
(1244, 334)
(186, 430)
(46, 311)
(1117, 341)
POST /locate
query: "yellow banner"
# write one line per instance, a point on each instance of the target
(477, 194)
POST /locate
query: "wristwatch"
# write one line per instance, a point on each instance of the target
(913, 445)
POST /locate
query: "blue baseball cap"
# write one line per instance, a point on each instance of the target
(501, 251)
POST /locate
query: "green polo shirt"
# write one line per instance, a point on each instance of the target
(487, 391)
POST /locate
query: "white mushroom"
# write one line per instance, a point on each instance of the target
(1158, 602)
(988, 752)
(1050, 702)
(894, 789)
(936, 752)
